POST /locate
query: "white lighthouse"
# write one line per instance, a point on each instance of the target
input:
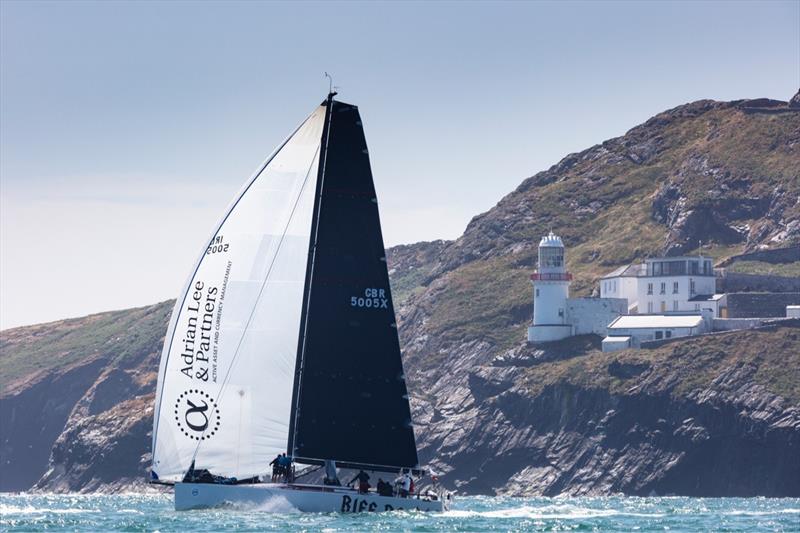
(550, 293)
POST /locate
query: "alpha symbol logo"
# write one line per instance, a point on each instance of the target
(197, 415)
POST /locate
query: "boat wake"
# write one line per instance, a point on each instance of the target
(548, 512)
(275, 504)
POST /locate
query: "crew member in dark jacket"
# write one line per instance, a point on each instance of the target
(276, 468)
(363, 481)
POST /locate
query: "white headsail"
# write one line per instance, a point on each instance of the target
(227, 369)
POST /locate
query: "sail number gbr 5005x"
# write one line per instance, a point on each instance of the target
(373, 298)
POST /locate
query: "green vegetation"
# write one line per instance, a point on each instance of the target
(763, 268)
(407, 282)
(114, 335)
(770, 357)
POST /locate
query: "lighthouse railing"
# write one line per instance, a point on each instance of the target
(551, 276)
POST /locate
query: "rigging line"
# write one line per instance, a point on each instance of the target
(258, 298)
(174, 318)
(320, 186)
(307, 472)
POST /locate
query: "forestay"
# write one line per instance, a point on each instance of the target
(228, 364)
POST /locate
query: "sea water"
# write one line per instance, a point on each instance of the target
(138, 512)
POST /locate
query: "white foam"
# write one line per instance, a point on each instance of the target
(763, 513)
(548, 512)
(276, 504)
(6, 509)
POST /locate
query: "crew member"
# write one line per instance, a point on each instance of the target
(384, 488)
(363, 482)
(404, 483)
(286, 468)
(276, 467)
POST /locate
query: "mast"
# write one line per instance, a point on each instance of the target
(312, 247)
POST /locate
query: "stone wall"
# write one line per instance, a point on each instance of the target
(731, 324)
(777, 255)
(736, 282)
(760, 304)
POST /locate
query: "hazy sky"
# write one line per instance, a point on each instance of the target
(126, 128)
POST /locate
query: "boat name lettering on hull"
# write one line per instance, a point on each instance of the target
(372, 298)
(361, 505)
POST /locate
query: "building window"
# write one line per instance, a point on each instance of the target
(537, 293)
(674, 287)
(649, 288)
(659, 335)
(663, 306)
(663, 287)
(668, 333)
(696, 307)
(691, 287)
(674, 305)
(650, 307)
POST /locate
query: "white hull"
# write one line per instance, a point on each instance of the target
(306, 498)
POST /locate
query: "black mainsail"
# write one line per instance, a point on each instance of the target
(350, 396)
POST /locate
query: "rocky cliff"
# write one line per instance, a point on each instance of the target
(718, 415)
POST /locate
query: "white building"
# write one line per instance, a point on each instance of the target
(631, 330)
(623, 283)
(660, 298)
(665, 285)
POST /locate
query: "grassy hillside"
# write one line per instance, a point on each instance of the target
(704, 173)
(116, 337)
(684, 366)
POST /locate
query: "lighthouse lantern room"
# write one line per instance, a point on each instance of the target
(550, 293)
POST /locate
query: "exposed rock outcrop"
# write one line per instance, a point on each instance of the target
(795, 101)
(635, 422)
(75, 400)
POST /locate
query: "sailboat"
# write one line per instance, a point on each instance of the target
(284, 341)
